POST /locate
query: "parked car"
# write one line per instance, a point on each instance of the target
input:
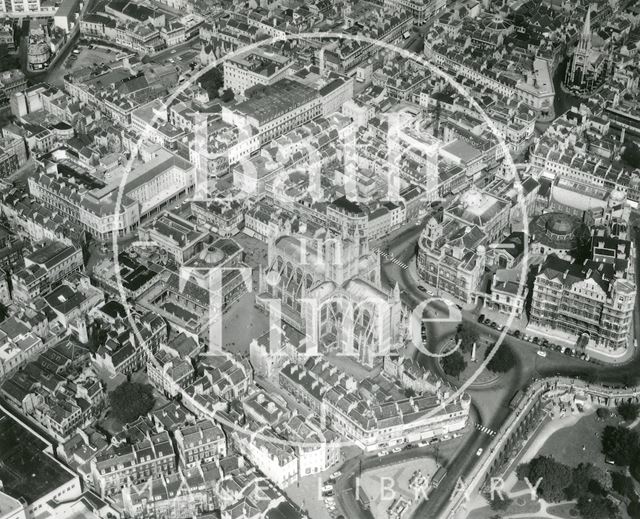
(421, 288)
(481, 318)
(536, 340)
(336, 474)
(382, 453)
(542, 353)
(567, 351)
(479, 451)
(397, 450)
(517, 333)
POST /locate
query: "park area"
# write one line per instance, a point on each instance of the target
(586, 466)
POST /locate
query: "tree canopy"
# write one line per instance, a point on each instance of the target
(212, 81)
(454, 364)
(628, 411)
(631, 154)
(555, 478)
(623, 485)
(619, 444)
(502, 361)
(559, 482)
(467, 335)
(130, 400)
(596, 507)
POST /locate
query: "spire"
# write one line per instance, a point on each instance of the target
(585, 37)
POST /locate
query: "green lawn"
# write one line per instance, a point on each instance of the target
(580, 443)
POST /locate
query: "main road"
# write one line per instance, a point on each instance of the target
(490, 402)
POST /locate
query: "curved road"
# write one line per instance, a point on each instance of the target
(529, 366)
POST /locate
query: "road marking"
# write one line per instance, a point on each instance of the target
(484, 429)
(391, 259)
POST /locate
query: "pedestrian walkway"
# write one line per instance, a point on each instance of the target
(391, 258)
(484, 429)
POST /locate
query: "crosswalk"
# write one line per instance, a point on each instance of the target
(392, 259)
(484, 429)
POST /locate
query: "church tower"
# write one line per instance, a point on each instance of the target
(580, 61)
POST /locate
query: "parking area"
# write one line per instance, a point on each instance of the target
(80, 57)
(543, 344)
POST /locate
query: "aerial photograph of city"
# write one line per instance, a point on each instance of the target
(319, 259)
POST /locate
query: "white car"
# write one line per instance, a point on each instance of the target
(423, 444)
(382, 453)
(397, 449)
(430, 292)
(479, 451)
(336, 474)
(326, 488)
(542, 353)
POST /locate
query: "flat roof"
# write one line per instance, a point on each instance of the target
(274, 100)
(26, 470)
(67, 8)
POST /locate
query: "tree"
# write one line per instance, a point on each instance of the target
(554, 478)
(623, 485)
(587, 478)
(619, 444)
(131, 400)
(454, 364)
(634, 466)
(502, 361)
(227, 96)
(633, 509)
(596, 507)
(212, 81)
(466, 334)
(500, 502)
(409, 392)
(628, 411)
(522, 471)
(631, 155)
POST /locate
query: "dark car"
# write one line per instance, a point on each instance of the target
(517, 333)
(481, 318)
(421, 288)
(487, 321)
(494, 324)
(536, 340)
(567, 351)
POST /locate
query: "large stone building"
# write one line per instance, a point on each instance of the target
(298, 264)
(356, 319)
(591, 304)
(589, 66)
(451, 258)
